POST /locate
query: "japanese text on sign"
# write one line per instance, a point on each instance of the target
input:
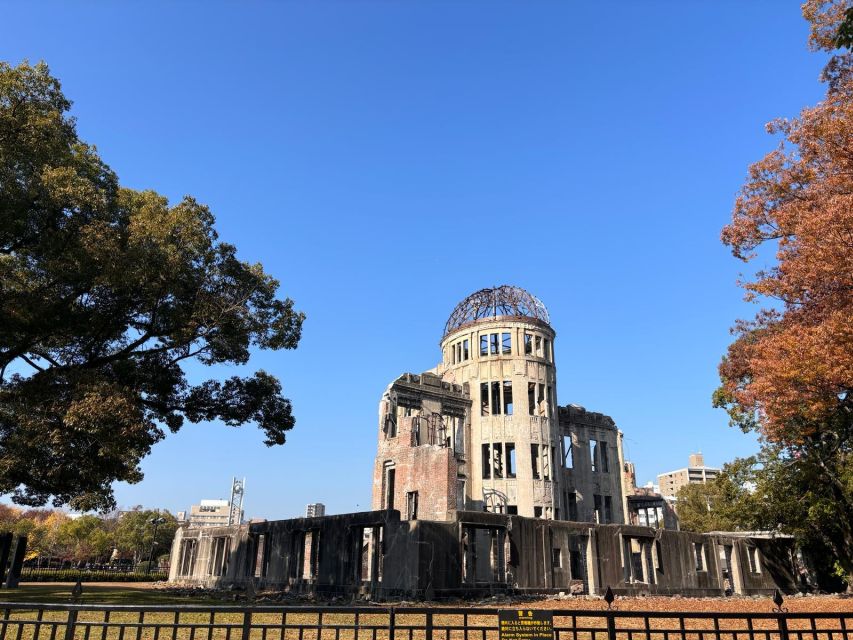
(526, 624)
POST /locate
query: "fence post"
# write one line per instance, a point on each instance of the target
(70, 624)
(391, 623)
(783, 626)
(611, 624)
(429, 625)
(247, 624)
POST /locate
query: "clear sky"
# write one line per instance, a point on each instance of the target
(385, 159)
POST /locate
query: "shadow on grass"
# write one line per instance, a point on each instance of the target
(100, 594)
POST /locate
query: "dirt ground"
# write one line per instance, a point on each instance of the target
(160, 593)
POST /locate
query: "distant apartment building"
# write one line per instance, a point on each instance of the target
(315, 510)
(695, 473)
(210, 513)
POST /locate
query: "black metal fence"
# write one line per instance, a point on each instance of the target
(194, 622)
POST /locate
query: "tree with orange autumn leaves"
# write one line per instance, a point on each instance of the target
(789, 373)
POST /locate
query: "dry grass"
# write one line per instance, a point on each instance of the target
(579, 618)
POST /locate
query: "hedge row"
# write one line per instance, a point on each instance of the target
(72, 575)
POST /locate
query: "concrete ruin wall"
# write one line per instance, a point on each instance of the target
(378, 554)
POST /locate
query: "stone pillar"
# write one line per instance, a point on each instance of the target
(17, 562)
(5, 547)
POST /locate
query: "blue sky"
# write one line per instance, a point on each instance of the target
(385, 159)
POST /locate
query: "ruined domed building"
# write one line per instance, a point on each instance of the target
(483, 482)
(483, 431)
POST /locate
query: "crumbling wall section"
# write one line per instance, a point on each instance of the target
(381, 556)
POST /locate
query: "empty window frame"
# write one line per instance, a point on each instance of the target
(496, 397)
(494, 344)
(605, 462)
(593, 455)
(465, 351)
(507, 403)
(219, 556)
(572, 500)
(537, 345)
(608, 509)
(497, 460)
(512, 509)
(484, 345)
(547, 348)
(260, 556)
(699, 556)
(556, 558)
(534, 460)
(753, 560)
(187, 558)
(541, 408)
(528, 344)
(506, 344)
(546, 462)
(531, 398)
(568, 452)
(412, 505)
(487, 461)
(390, 478)
(537, 512)
(484, 399)
(596, 509)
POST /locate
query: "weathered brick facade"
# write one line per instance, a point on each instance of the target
(421, 447)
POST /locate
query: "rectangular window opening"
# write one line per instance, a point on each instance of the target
(568, 453)
(534, 460)
(508, 406)
(510, 460)
(573, 505)
(537, 512)
(484, 399)
(412, 505)
(528, 344)
(506, 344)
(538, 345)
(487, 462)
(390, 477)
(605, 462)
(699, 555)
(465, 352)
(484, 345)
(493, 344)
(531, 398)
(496, 398)
(497, 460)
(557, 558)
(608, 509)
(593, 455)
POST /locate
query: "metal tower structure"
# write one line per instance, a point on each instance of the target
(235, 512)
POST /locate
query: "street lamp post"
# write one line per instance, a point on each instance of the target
(156, 522)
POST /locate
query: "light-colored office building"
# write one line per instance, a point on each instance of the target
(695, 473)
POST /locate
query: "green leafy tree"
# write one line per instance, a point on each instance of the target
(105, 293)
(84, 539)
(715, 505)
(134, 533)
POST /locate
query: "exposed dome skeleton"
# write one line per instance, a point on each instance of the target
(505, 300)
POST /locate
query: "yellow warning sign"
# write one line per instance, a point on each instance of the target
(526, 624)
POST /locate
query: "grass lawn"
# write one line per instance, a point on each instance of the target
(100, 593)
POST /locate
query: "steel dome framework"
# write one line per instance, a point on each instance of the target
(505, 300)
